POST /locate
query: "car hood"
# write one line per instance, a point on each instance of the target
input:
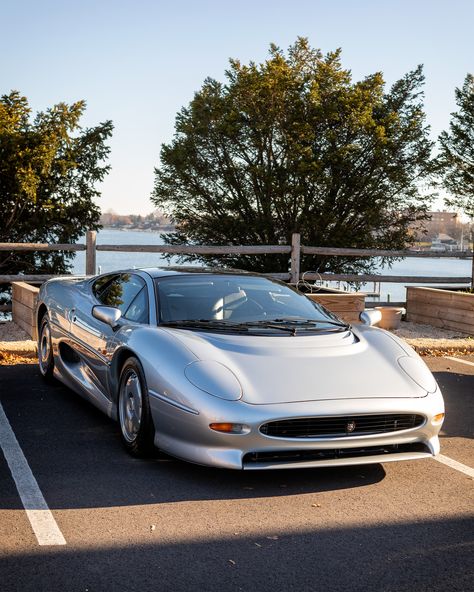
(362, 363)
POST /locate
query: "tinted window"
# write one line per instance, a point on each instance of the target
(119, 291)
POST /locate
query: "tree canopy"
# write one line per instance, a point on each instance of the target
(456, 158)
(49, 168)
(295, 145)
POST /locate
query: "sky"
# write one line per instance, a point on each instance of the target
(138, 62)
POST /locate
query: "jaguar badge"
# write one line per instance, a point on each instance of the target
(350, 426)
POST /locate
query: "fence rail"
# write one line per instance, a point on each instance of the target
(338, 252)
(42, 247)
(393, 279)
(295, 250)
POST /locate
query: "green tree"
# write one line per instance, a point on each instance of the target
(49, 167)
(456, 160)
(294, 145)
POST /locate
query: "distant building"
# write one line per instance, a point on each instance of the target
(443, 223)
(446, 223)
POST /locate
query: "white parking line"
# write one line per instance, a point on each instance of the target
(454, 464)
(467, 362)
(42, 521)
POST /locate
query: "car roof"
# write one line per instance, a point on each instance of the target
(157, 272)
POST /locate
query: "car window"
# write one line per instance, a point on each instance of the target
(234, 298)
(138, 309)
(119, 291)
(100, 286)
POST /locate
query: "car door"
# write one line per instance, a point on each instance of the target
(97, 340)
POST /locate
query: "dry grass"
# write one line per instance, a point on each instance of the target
(439, 353)
(12, 359)
(15, 346)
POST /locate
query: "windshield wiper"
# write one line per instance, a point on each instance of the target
(298, 323)
(292, 325)
(287, 325)
(269, 325)
(204, 324)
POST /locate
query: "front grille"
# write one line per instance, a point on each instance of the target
(296, 456)
(340, 426)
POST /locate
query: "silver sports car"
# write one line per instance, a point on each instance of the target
(236, 370)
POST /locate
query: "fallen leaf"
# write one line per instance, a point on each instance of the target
(232, 562)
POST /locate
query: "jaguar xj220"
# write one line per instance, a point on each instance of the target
(236, 370)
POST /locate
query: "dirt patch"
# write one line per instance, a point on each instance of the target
(14, 340)
(409, 330)
(433, 341)
(10, 331)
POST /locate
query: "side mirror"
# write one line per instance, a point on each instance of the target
(107, 314)
(370, 317)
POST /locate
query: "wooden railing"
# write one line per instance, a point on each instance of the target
(295, 250)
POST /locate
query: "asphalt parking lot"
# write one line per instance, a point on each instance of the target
(165, 525)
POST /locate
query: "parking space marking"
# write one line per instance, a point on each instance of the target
(454, 464)
(41, 519)
(467, 362)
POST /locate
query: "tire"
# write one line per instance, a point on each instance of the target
(134, 414)
(45, 349)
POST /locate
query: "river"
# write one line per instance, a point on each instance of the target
(414, 266)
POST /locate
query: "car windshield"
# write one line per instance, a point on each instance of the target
(237, 301)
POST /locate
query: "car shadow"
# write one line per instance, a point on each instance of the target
(77, 457)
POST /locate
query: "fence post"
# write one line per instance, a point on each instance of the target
(295, 257)
(470, 245)
(472, 271)
(91, 239)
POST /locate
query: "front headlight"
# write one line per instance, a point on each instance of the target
(419, 372)
(215, 379)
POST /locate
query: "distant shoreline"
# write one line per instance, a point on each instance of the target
(164, 229)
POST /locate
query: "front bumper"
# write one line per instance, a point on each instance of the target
(187, 435)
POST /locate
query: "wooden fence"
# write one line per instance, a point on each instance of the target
(24, 299)
(294, 251)
(441, 308)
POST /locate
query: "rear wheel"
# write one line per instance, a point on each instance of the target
(45, 349)
(136, 424)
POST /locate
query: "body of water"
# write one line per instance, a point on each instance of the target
(113, 260)
(413, 266)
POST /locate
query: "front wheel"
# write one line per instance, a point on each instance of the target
(136, 424)
(45, 349)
